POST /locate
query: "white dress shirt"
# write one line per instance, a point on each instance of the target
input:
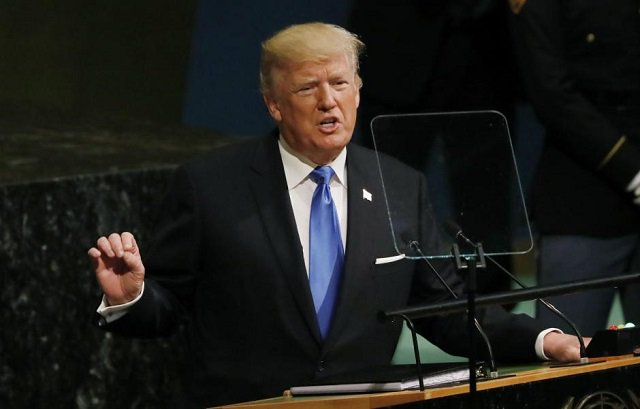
(301, 188)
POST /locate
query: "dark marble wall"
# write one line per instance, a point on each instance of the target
(51, 353)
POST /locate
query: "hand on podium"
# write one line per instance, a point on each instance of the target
(562, 347)
(118, 266)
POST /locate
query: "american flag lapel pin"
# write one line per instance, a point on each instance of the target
(366, 195)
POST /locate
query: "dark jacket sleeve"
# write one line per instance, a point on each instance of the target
(171, 265)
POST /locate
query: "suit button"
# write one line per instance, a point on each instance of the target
(321, 366)
(102, 322)
(590, 38)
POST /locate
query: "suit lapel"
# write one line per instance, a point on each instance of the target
(366, 226)
(272, 198)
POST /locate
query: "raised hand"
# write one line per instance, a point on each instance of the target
(118, 266)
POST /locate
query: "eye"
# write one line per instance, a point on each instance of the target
(340, 84)
(304, 89)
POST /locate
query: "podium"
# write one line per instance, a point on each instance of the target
(612, 382)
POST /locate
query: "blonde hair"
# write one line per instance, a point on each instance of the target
(314, 42)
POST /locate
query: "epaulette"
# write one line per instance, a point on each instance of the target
(516, 5)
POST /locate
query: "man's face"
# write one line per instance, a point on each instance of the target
(314, 105)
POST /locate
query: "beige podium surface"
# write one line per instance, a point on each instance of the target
(520, 375)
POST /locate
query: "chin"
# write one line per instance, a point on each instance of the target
(339, 139)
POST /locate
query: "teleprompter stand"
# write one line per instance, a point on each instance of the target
(470, 264)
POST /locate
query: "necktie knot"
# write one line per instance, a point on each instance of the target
(322, 175)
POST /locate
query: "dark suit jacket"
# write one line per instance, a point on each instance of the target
(227, 252)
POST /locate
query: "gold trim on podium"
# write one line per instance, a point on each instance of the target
(522, 375)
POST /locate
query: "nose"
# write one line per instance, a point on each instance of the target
(326, 99)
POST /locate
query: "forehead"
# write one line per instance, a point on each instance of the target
(338, 65)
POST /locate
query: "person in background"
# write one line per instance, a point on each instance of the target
(444, 56)
(276, 252)
(581, 65)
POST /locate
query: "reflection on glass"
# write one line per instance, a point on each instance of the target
(471, 173)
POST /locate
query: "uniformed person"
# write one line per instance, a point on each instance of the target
(581, 65)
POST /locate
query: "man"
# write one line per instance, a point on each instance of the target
(235, 250)
(581, 65)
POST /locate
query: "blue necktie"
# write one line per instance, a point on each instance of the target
(326, 254)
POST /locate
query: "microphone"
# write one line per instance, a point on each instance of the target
(456, 233)
(493, 371)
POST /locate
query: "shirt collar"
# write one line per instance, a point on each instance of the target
(297, 167)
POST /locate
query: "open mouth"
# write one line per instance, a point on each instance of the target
(329, 123)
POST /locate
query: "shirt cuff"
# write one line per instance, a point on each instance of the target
(540, 343)
(634, 185)
(113, 312)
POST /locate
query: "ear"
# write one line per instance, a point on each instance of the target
(273, 107)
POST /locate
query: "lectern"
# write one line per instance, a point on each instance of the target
(612, 382)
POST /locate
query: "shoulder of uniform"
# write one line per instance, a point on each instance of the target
(516, 5)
